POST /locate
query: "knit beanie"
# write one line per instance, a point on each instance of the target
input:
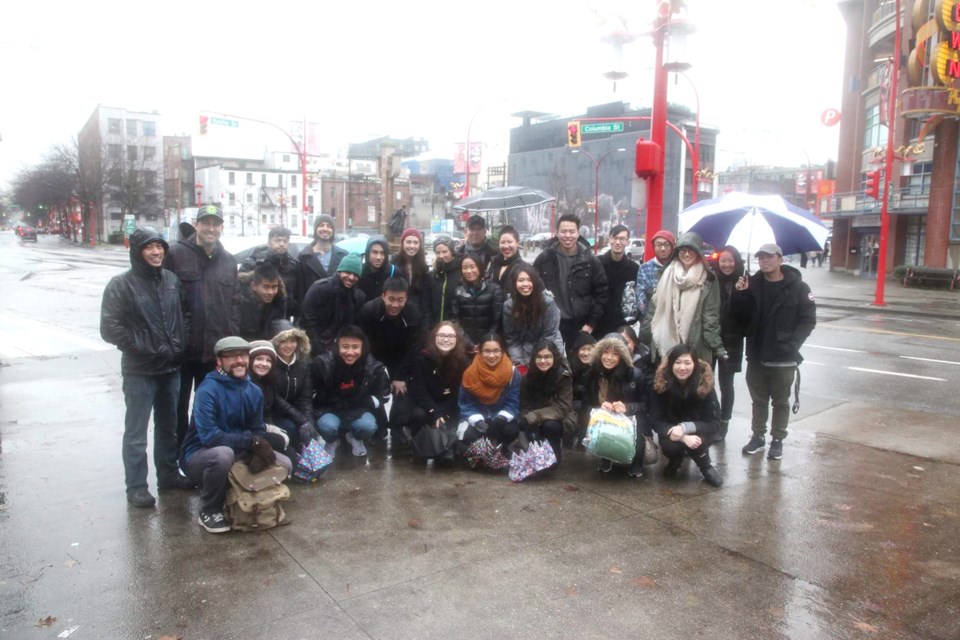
(324, 218)
(351, 264)
(445, 241)
(410, 231)
(583, 338)
(666, 235)
(263, 347)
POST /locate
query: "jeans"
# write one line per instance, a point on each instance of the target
(770, 385)
(330, 428)
(208, 467)
(191, 375)
(142, 394)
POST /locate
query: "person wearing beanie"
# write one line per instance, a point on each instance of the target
(649, 272)
(142, 315)
(322, 258)
(411, 264)
(332, 303)
(580, 354)
(622, 282)
(376, 267)
(263, 373)
(445, 278)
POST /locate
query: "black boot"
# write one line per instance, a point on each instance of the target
(710, 475)
(722, 431)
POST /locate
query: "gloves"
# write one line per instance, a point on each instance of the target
(307, 433)
(499, 422)
(263, 450)
(481, 427)
(524, 424)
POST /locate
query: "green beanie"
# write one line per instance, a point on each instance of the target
(351, 264)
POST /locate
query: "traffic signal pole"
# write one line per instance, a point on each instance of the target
(888, 166)
(658, 128)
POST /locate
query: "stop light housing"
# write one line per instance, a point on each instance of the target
(872, 184)
(204, 121)
(573, 133)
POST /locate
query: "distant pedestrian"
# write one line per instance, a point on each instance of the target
(649, 272)
(142, 314)
(782, 315)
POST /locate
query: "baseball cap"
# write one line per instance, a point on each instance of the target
(476, 220)
(769, 249)
(208, 211)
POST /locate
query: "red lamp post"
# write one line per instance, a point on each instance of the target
(199, 187)
(596, 192)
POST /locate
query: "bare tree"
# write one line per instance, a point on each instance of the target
(132, 181)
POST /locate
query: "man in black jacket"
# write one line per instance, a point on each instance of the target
(576, 279)
(142, 314)
(782, 315)
(621, 274)
(476, 245)
(322, 258)
(259, 303)
(332, 303)
(208, 273)
(276, 253)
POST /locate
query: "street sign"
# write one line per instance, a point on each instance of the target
(830, 117)
(224, 122)
(601, 127)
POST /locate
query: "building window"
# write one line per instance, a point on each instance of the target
(150, 179)
(115, 151)
(149, 153)
(293, 201)
(263, 179)
(113, 125)
(232, 198)
(310, 203)
(149, 129)
(249, 178)
(150, 198)
(231, 177)
(293, 181)
(132, 152)
(280, 180)
(286, 158)
(131, 127)
(874, 133)
(249, 198)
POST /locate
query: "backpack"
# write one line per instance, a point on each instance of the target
(253, 500)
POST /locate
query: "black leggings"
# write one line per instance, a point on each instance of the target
(496, 433)
(552, 432)
(725, 383)
(676, 450)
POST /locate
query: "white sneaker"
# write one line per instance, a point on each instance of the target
(331, 447)
(359, 449)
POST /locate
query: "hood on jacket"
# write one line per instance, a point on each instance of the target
(244, 279)
(303, 342)
(612, 342)
(140, 238)
(380, 240)
(689, 240)
(703, 389)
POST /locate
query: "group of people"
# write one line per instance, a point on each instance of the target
(281, 351)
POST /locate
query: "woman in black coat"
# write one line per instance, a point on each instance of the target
(733, 328)
(546, 397)
(293, 388)
(477, 305)
(503, 263)
(685, 412)
(411, 263)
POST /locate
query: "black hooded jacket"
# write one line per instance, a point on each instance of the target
(208, 283)
(371, 280)
(327, 307)
(253, 319)
(287, 266)
(778, 336)
(143, 313)
(586, 286)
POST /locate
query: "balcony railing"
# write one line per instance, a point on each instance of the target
(902, 201)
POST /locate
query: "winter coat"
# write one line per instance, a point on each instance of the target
(208, 282)
(437, 397)
(421, 288)
(548, 399)
(311, 270)
(253, 319)
(287, 266)
(446, 279)
(497, 263)
(506, 406)
(733, 321)
(624, 384)
(374, 392)
(393, 341)
(794, 316)
(482, 255)
(619, 273)
(371, 280)
(327, 307)
(586, 286)
(293, 386)
(478, 310)
(520, 339)
(227, 411)
(699, 413)
(143, 313)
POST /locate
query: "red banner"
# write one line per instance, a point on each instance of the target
(476, 151)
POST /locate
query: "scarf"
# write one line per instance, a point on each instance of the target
(486, 383)
(676, 298)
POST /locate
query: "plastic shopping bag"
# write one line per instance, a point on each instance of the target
(612, 436)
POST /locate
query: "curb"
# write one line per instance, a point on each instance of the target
(939, 315)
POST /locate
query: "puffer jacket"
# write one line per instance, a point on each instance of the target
(227, 411)
(293, 388)
(374, 393)
(253, 319)
(520, 339)
(793, 318)
(327, 307)
(699, 413)
(586, 286)
(479, 310)
(208, 282)
(143, 313)
(287, 266)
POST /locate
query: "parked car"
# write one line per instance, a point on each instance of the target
(634, 250)
(26, 232)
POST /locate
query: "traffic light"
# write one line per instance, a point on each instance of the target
(204, 120)
(873, 184)
(573, 133)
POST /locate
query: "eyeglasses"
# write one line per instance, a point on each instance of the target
(662, 245)
(544, 358)
(616, 239)
(492, 352)
(446, 337)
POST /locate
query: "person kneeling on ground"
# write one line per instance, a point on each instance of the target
(227, 421)
(546, 397)
(685, 412)
(490, 395)
(350, 388)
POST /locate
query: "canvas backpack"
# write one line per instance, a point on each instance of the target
(254, 500)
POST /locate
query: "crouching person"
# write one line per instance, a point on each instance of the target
(227, 421)
(350, 389)
(490, 395)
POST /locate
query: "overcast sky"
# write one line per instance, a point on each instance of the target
(765, 69)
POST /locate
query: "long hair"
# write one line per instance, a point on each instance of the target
(679, 393)
(417, 263)
(559, 362)
(451, 364)
(527, 310)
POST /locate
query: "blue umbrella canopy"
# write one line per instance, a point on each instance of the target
(748, 221)
(356, 244)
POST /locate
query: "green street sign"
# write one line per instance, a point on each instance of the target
(601, 127)
(225, 122)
